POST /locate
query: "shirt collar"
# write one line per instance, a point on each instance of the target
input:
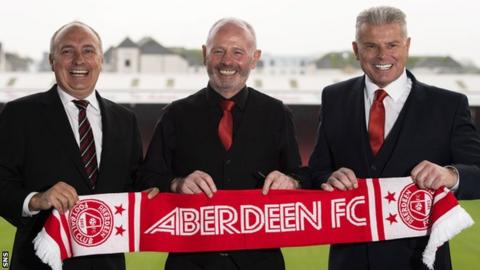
(67, 98)
(240, 98)
(394, 90)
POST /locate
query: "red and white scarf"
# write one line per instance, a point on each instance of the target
(380, 209)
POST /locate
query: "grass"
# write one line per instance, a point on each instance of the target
(465, 249)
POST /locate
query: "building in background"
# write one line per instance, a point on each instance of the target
(44, 64)
(145, 56)
(12, 62)
(283, 65)
(346, 61)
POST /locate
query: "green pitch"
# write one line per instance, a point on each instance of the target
(465, 249)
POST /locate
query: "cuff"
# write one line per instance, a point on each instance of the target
(455, 171)
(25, 210)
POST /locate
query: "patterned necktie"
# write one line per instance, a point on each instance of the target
(225, 127)
(87, 143)
(376, 124)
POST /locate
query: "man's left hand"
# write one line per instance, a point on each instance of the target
(278, 180)
(430, 175)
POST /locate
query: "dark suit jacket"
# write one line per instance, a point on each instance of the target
(433, 125)
(38, 149)
(186, 140)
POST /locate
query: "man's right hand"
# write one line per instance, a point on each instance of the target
(194, 183)
(342, 179)
(61, 196)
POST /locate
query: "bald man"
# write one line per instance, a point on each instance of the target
(225, 136)
(62, 143)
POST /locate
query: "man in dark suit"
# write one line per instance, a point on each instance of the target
(225, 136)
(388, 124)
(62, 143)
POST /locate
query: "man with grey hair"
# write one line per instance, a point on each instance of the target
(225, 136)
(62, 143)
(388, 124)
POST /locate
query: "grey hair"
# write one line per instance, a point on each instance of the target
(380, 16)
(235, 21)
(77, 23)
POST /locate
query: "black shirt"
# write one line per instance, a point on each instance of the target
(186, 139)
(240, 99)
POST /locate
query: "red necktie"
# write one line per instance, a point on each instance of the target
(87, 143)
(225, 127)
(376, 124)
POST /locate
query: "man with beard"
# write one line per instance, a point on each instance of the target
(225, 136)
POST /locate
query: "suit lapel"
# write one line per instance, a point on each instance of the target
(356, 106)
(405, 123)
(56, 118)
(109, 131)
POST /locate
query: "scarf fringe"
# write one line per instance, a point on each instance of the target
(445, 228)
(447, 216)
(47, 250)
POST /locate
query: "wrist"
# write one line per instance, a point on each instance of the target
(33, 204)
(455, 176)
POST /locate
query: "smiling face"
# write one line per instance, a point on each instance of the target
(229, 56)
(382, 51)
(76, 60)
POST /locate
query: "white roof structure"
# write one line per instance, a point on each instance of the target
(164, 88)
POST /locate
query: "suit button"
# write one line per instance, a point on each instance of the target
(373, 167)
(223, 254)
(228, 161)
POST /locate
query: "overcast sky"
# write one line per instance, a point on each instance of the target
(284, 27)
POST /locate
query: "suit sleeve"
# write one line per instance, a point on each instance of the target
(465, 149)
(156, 170)
(320, 162)
(12, 191)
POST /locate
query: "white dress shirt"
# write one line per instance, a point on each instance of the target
(93, 114)
(398, 92)
(94, 117)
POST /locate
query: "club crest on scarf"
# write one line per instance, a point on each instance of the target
(378, 210)
(414, 207)
(91, 222)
